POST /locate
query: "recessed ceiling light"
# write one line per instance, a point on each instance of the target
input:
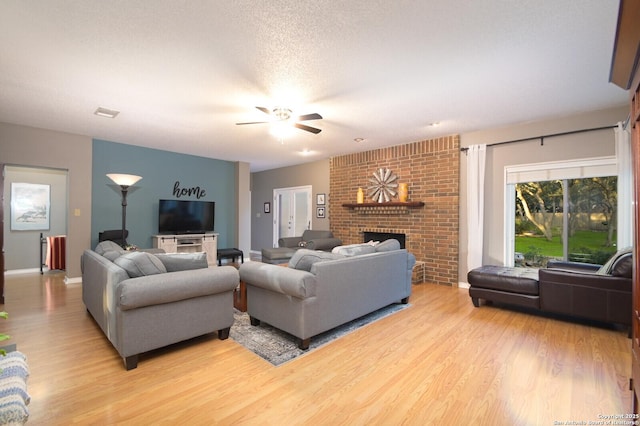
(358, 140)
(434, 124)
(105, 112)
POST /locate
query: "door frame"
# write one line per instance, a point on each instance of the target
(276, 208)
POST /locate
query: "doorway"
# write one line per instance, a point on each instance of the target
(292, 212)
(22, 242)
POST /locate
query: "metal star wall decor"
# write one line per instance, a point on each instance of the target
(384, 186)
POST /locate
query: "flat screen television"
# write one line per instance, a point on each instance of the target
(186, 216)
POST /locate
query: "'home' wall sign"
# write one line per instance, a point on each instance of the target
(196, 190)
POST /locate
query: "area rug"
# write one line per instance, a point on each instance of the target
(278, 347)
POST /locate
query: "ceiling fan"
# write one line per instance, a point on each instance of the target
(284, 114)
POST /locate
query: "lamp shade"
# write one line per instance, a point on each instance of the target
(123, 180)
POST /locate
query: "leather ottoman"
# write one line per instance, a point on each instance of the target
(515, 286)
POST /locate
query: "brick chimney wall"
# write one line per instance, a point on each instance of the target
(432, 170)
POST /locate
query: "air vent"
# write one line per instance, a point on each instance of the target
(105, 112)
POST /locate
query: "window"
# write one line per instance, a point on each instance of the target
(569, 219)
(563, 210)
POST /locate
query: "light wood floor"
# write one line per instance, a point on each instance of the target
(441, 361)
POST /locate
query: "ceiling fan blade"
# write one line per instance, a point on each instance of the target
(307, 128)
(265, 110)
(314, 116)
(252, 122)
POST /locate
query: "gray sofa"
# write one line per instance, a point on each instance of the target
(322, 290)
(144, 301)
(310, 239)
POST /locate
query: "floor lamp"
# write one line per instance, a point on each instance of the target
(124, 182)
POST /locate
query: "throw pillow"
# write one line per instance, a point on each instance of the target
(388, 245)
(623, 267)
(139, 263)
(619, 265)
(174, 262)
(354, 249)
(304, 259)
(105, 246)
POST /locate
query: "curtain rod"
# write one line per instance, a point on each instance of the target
(546, 136)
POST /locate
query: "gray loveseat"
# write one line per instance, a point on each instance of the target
(321, 290)
(144, 302)
(310, 239)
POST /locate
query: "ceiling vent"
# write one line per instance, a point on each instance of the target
(105, 112)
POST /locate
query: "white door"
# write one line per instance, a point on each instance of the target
(292, 212)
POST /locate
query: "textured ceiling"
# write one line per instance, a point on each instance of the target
(182, 73)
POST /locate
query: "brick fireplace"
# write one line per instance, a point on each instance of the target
(432, 169)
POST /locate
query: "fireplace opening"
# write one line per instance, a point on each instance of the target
(382, 236)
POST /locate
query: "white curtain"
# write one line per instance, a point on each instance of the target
(476, 155)
(625, 185)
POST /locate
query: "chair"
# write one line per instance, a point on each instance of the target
(114, 235)
(601, 293)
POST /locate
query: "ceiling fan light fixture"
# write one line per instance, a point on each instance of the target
(282, 114)
(283, 118)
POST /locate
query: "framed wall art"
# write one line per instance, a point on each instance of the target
(267, 207)
(30, 206)
(320, 212)
(320, 199)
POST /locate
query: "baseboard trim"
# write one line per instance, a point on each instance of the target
(23, 271)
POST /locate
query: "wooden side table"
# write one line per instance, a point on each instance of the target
(240, 297)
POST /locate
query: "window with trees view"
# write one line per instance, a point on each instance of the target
(569, 219)
(565, 210)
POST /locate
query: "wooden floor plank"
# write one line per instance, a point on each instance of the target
(439, 361)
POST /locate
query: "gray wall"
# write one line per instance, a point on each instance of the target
(580, 145)
(25, 244)
(263, 183)
(28, 146)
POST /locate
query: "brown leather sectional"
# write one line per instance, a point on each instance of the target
(581, 290)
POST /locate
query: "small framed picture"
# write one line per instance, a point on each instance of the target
(320, 199)
(320, 213)
(267, 207)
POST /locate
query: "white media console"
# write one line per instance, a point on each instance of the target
(189, 243)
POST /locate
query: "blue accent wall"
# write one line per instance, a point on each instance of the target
(159, 170)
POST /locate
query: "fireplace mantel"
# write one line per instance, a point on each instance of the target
(393, 207)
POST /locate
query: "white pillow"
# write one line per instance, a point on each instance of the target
(354, 249)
